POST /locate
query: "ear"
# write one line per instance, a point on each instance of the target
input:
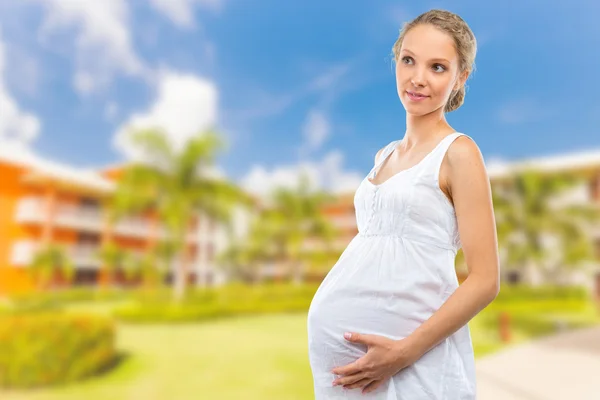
(462, 79)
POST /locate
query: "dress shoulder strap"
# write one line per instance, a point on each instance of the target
(441, 151)
(389, 149)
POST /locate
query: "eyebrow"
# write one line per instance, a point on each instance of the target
(433, 59)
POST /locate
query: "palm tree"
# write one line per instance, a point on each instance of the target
(132, 266)
(47, 261)
(276, 236)
(164, 253)
(282, 228)
(175, 185)
(526, 215)
(112, 257)
(300, 212)
(148, 269)
(241, 260)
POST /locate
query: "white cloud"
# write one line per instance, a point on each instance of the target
(337, 179)
(16, 125)
(326, 85)
(328, 79)
(102, 39)
(399, 15)
(24, 72)
(521, 110)
(327, 175)
(181, 12)
(110, 111)
(315, 131)
(184, 106)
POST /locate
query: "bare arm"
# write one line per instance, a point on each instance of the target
(471, 194)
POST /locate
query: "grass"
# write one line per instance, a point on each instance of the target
(263, 357)
(253, 357)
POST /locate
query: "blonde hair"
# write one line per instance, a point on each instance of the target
(465, 45)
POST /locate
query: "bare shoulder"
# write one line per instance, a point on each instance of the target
(466, 178)
(464, 154)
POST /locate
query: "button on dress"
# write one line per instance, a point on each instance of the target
(394, 274)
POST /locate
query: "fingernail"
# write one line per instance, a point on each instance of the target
(347, 335)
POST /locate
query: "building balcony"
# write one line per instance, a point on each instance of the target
(22, 253)
(80, 255)
(33, 210)
(347, 221)
(86, 256)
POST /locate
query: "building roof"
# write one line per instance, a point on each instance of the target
(46, 170)
(43, 170)
(579, 160)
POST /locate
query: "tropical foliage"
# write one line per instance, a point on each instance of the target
(176, 186)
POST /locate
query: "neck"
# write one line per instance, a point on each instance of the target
(424, 128)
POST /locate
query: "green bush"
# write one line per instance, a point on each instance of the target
(45, 349)
(215, 303)
(70, 295)
(519, 293)
(541, 306)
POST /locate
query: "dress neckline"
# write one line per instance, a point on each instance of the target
(376, 185)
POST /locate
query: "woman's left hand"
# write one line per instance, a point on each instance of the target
(385, 357)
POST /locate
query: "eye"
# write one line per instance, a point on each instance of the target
(406, 57)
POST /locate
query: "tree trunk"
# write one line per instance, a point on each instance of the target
(202, 271)
(179, 280)
(298, 273)
(180, 274)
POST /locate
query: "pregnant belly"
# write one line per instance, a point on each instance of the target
(361, 308)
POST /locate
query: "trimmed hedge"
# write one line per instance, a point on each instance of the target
(216, 303)
(518, 293)
(58, 298)
(46, 349)
(240, 299)
(144, 313)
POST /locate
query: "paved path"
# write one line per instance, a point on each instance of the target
(561, 367)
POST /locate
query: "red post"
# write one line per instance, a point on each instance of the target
(504, 326)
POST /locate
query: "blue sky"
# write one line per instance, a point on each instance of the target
(288, 83)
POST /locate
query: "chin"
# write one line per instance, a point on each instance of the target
(417, 111)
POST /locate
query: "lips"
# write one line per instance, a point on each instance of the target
(415, 94)
(415, 97)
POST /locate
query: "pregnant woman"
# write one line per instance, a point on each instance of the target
(394, 289)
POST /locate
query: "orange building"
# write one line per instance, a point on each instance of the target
(44, 203)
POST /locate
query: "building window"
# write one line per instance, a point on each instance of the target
(87, 238)
(210, 250)
(85, 277)
(513, 277)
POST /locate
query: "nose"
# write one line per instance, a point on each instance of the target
(418, 79)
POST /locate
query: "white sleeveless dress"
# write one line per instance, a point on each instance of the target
(393, 275)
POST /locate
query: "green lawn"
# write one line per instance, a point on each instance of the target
(254, 357)
(263, 357)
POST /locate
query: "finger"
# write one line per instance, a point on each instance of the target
(357, 337)
(361, 383)
(372, 386)
(349, 369)
(348, 380)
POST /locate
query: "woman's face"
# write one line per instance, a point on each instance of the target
(427, 65)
